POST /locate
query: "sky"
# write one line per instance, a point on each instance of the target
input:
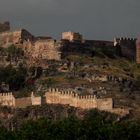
(95, 19)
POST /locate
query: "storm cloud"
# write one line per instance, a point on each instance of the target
(95, 19)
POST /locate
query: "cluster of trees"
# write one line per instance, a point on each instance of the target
(14, 77)
(12, 52)
(93, 127)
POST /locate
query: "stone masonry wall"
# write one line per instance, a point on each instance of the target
(7, 99)
(56, 96)
(127, 47)
(72, 36)
(65, 97)
(35, 100)
(16, 37)
(43, 49)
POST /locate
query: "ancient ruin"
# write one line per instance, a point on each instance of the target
(70, 97)
(72, 36)
(47, 48)
(128, 47)
(8, 99)
(64, 97)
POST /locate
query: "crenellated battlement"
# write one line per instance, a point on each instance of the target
(70, 93)
(118, 41)
(64, 96)
(7, 99)
(8, 94)
(70, 97)
(125, 39)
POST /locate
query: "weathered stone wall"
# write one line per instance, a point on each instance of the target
(16, 37)
(56, 96)
(48, 49)
(7, 99)
(86, 47)
(72, 36)
(69, 97)
(127, 47)
(35, 100)
(4, 27)
(43, 49)
(23, 102)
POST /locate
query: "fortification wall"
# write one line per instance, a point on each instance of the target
(35, 100)
(72, 36)
(105, 104)
(43, 49)
(15, 37)
(71, 98)
(127, 47)
(23, 102)
(7, 99)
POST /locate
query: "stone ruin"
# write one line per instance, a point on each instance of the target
(8, 99)
(69, 97)
(71, 43)
(64, 97)
(128, 47)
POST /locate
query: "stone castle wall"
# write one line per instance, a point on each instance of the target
(15, 37)
(127, 47)
(45, 48)
(64, 97)
(56, 96)
(23, 102)
(72, 36)
(35, 100)
(8, 99)
(39, 50)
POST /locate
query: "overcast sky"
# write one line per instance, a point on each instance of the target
(95, 19)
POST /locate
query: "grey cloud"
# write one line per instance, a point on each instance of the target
(96, 19)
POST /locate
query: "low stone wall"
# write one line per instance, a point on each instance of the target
(23, 102)
(65, 97)
(35, 100)
(7, 99)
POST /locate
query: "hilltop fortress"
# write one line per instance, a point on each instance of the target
(46, 48)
